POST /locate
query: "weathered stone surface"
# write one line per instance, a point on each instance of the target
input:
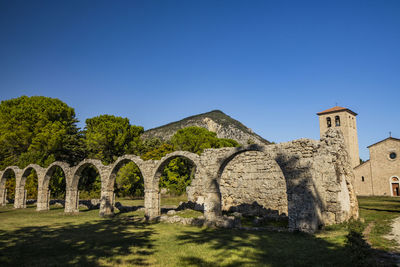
(309, 181)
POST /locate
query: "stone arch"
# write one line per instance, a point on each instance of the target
(192, 157)
(72, 195)
(107, 200)
(115, 167)
(51, 169)
(213, 201)
(27, 170)
(43, 202)
(232, 154)
(253, 183)
(11, 169)
(152, 191)
(184, 154)
(20, 196)
(77, 170)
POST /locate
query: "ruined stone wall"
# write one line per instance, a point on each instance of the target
(317, 174)
(253, 179)
(311, 181)
(319, 179)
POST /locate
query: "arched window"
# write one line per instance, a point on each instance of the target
(337, 120)
(328, 122)
(362, 178)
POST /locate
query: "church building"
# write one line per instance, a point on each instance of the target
(378, 176)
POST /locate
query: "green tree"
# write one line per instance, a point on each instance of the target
(159, 152)
(31, 185)
(196, 139)
(129, 181)
(107, 137)
(10, 186)
(38, 130)
(177, 175)
(89, 185)
(57, 184)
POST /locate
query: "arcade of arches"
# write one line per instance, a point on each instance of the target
(307, 180)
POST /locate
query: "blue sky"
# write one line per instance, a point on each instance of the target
(269, 64)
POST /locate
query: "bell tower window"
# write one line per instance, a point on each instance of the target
(337, 120)
(328, 122)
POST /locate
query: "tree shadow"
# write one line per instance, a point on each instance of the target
(255, 248)
(304, 200)
(267, 248)
(86, 244)
(255, 209)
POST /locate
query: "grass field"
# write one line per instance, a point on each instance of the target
(51, 238)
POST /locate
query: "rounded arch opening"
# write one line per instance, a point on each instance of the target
(172, 178)
(231, 157)
(252, 184)
(88, 182)
(127, 182)
(54, 183)
(29, 182)
(7, 186)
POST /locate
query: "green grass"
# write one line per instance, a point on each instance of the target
(381, 211)
(165, 201)
(52, 238)
(189, 213)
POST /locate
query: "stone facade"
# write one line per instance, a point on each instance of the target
(345, 120)
(380, 175)
(252, 178)
(309, 181)
(318, 179)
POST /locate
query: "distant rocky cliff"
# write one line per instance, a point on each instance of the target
(215, 121)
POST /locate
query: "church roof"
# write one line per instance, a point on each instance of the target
(336, 109)
(365, 162)
(389, 138)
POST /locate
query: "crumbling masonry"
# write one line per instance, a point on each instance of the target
(309, 181)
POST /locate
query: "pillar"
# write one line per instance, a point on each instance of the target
(42, 199)
(19, 198)
(107, 203)
(152, 204)
(212, 205)
(3, 197)
(71, 201)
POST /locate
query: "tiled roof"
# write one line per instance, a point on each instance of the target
(336, 109)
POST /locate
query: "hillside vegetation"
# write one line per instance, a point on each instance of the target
(215, 121)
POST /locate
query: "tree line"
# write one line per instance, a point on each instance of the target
(42, 130)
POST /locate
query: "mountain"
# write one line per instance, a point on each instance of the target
(215, 121)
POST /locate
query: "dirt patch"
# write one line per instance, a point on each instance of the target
(395, 233)
(367, 231)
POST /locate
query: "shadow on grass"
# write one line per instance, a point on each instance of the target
(265, 248)
(83, 245)
(379, 209)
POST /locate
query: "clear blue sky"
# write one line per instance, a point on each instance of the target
(269, 64)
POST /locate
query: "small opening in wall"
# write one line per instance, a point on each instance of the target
(362, 178)
(337, 120)
(328, 122)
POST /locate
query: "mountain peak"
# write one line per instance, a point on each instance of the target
(216, 121)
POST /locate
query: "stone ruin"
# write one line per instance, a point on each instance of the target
(308, 181)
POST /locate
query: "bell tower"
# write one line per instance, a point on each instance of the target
(345, 120)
